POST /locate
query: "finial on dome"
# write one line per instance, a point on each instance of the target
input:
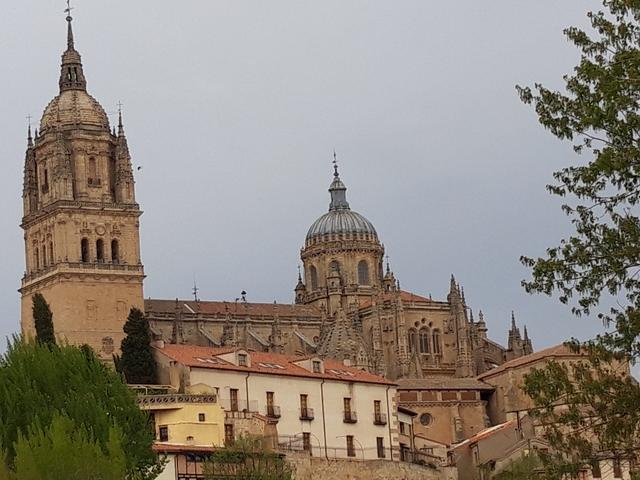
(67, 10)
(335, 164)
(299, 274)
(337, 189)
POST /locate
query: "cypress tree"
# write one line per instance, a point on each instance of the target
(137, 361)
(43, 319)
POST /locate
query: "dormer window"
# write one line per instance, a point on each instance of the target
(242, 360)
(317, 366)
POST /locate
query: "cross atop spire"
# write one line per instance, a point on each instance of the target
(335, 164)
(337, 189)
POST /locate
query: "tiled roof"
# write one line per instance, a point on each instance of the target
(234, 308)
(405, 296)
(442, 383)
(266, 363)
(174, 448)
(557, 351)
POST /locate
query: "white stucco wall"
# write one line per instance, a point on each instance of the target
(330, 425)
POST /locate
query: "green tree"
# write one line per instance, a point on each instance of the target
(137, 362)
(38, 384)
(62, 451)
(524, 468)
(43, 319)
(592, 407)
(247, 458)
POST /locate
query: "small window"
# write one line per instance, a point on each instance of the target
(164, 434)
(51, 261)
(617, 468)
(595, 469)
(306, 441)
(351, 450)
(314, 277)
(380, 446)
(363, 272)
(436, 342)
(426, 419)
(242, 359)
(44, 255)
(317, 366)
(201, 417)
(402, 428)
(424, 340)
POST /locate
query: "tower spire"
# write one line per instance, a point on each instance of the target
(120, 125)
(71, 75)
(337, 189)
(29, 137)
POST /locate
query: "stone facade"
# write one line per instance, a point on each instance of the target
(81, 219)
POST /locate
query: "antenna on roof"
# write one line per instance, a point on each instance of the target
(195, 290)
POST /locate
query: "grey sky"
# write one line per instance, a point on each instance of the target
(233, 109)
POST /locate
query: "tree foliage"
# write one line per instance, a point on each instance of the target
(63, 451)
(591, 408)
(39, 384)
(43, 319)
(137, 362)
(524, 468)
(247, 458)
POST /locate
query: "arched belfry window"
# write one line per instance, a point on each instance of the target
(100, 250)
(84, 250)
(437, 348)
(92, 173)
(115, 251)
(424, 341)
(313, 273)
(363, 273)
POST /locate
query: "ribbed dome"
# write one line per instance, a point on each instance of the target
(340, 219)
(341, 222)
(74, 108)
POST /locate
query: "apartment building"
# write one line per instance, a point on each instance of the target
(319, 405)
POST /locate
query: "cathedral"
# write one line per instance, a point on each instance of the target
(82, 250)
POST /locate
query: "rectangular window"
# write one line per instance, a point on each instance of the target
(242, 359)
(233, 393)
(201, 417)
(351, 451)
(349, 415)
(402, 428)
(617, 468)
(380, 446)
(164, 434)
(306, 441)
(595, 469)
(228, 434)
(317, 366)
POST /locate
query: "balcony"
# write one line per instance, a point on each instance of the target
(172, 401)
(273, 411)
(306, 414)
(350, 416)
(379, 418)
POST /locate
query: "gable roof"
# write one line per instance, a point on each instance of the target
(266, 363)
(557, 351)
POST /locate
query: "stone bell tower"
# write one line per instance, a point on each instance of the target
(81, 219)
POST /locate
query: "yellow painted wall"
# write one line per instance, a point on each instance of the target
(183, 422)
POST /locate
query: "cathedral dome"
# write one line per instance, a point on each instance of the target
(74, 108)
(340, 219)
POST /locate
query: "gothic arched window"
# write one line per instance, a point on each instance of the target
(51, 261)
(363, 272)
(36, 259)
(44, 255)
(115, 251)
(92, 173)
(84, 250)
(314, 277)
(436, 342)
(412, 341)
(424, 341)
(100, 250)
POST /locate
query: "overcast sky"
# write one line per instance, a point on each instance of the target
(233, 109)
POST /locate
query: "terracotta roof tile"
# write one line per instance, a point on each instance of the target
(266, 363)
(548, 353)
(486, 433)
